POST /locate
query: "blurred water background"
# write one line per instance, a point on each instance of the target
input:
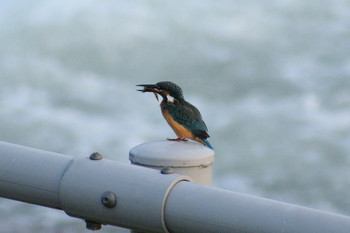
(271, 78)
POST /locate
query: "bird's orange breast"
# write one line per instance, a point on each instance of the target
(179, 130)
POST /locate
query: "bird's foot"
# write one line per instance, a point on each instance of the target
(177, 139)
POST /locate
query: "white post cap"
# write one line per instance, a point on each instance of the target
(187, 158)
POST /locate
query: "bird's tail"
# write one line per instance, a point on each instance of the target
(207, 143)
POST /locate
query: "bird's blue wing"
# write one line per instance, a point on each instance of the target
(188, 115)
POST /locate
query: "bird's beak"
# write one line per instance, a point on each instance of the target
(150, 88)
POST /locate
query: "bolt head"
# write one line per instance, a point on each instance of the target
(167, 170)
(96, 156)
(93, 226)
(109, 199)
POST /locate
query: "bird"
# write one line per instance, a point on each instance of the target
(184, 118)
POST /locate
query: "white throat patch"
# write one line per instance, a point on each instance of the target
(170, 98)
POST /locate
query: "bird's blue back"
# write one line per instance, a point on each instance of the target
(188, 115)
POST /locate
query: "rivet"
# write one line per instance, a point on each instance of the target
(93, 226)
(95, 156)
(167, 170)
(109, 199)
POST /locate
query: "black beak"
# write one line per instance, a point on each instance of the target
(150, 88)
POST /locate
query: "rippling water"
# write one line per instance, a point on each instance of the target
(271, 78)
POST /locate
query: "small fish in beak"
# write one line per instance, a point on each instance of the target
(150, 88)
(156, 95)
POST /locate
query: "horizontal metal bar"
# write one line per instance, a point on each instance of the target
(196, 208)
(77, 185)
(31, 175)
(108, 192)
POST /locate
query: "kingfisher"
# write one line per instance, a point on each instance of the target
(183, 117)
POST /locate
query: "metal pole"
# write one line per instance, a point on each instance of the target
(31, 175)
(105, 192)
(196, 208)
(95, 189)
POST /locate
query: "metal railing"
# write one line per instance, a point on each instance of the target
(102, 191)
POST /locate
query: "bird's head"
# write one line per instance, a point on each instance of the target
(168, 90)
